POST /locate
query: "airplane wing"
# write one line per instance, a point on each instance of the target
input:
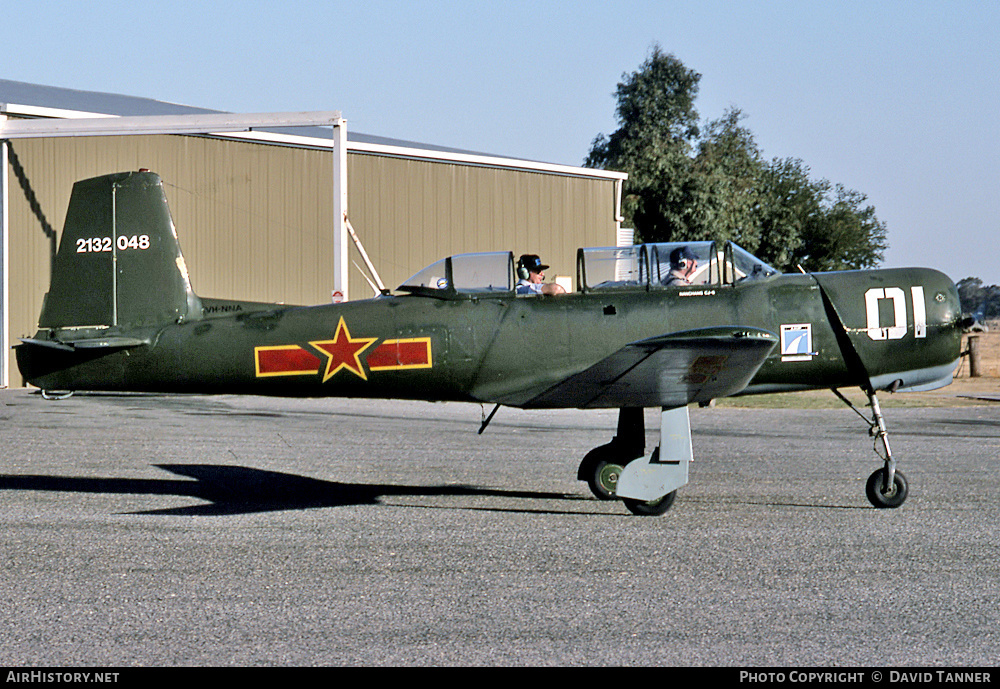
(667, 371)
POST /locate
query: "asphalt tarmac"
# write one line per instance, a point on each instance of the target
(143, 530)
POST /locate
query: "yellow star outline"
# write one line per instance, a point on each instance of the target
(344, 351)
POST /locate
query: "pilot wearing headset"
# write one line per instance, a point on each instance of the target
(531, 275)
(683, 263)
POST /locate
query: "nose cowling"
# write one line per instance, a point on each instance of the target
(900, 328)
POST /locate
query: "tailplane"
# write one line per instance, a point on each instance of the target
(119, 264)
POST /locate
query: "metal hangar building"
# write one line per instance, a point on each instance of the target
(255, 211)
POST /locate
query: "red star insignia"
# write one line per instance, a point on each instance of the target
(344, 351)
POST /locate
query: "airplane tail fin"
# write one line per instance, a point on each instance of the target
(119, 264)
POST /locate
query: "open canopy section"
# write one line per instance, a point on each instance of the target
(465, 275)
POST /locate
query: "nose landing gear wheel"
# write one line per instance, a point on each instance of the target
(879, 497)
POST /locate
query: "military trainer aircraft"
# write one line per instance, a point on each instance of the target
(121, 315)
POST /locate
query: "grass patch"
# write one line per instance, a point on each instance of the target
(824, 399)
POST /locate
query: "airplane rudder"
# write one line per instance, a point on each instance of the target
(119, 262)
(153, 286)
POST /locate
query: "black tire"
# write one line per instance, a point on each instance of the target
(601, 468)
(881, 499)
(652, 508)
(602, 477)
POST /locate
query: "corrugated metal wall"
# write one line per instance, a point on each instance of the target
(255, 220)
(410, 213)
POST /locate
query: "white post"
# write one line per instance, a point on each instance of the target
(4, 268)
(340, 233)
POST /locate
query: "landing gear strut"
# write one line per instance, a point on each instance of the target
(647, 484)
(886, 487)
(603, 465)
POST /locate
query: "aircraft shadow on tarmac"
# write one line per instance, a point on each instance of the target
(231, 490)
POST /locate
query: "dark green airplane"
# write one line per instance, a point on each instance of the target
(653, 325)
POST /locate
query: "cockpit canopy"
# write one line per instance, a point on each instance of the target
(637, 267)
(648, 266)
(465, 274)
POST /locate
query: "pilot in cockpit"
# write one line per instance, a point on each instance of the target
(683, 264)
(531, 276)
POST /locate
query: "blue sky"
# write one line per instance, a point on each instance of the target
(898, 100)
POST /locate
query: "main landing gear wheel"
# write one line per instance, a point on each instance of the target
(601, 473)
(879, 497)
(652, 508)
(602, 466)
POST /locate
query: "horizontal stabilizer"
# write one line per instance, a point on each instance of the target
(667, 371)
(89, 343)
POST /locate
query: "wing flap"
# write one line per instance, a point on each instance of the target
(667, 371)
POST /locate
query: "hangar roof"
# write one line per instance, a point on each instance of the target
(56, 98)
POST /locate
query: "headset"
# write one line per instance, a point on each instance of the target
(522, 272)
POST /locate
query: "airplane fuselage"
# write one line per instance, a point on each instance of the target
(509, 349)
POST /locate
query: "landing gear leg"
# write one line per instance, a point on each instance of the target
(648, 486)
(886, 487)
(602, 466)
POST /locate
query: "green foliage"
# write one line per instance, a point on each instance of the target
(659, 127)
(727, 174)
(981, 301)
(690, 183)
(846, 234)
